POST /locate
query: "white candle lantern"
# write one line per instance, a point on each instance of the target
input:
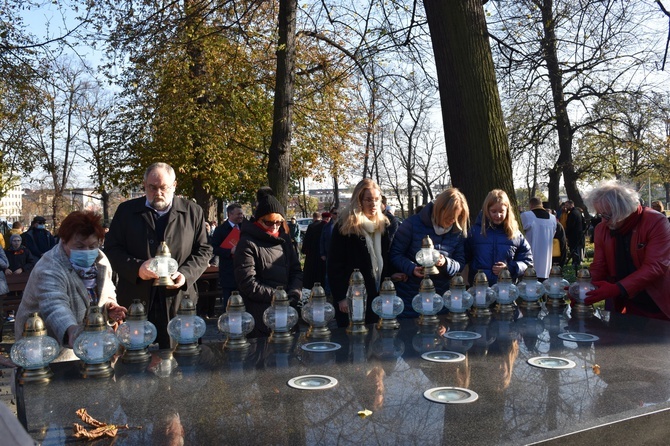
(357, 297)
(457, 300)
(428, 256)
(578, 292)
(318, 313)
(530, 290)
(96, 345)
(427, 303)
(34, 351)
(555, 287)
(387, 306)
(506, 292)
(236, 323)
(280, 317)
(136, 334)
(482, 294)
(186, 328)
(163, 265)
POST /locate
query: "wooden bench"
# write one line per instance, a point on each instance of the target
(10, 301)
(208, 285)
(16, 284)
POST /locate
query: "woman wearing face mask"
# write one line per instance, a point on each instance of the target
(68, 279)
(495, 242)
(445, 221)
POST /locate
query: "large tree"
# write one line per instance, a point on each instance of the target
(474, 128)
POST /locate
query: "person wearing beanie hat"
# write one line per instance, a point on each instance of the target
(264, 259)
(268, 205)
(20, 259)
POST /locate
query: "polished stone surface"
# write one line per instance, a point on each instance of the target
(243, 398)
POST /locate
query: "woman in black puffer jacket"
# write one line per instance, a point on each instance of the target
(265, 259)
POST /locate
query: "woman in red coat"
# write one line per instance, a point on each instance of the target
(631, 264)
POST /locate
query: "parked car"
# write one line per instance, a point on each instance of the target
(303, 223)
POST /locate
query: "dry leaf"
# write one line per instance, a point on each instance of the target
(101, 429)
(596, 369)
(364, 413)
(86, 418)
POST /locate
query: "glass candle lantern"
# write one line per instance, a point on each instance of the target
(136, 334)
(457, 300)
(579, 290)
(318, 313)
(530, 289)
(236, 323)
(505, 291)
(34, 351)
(186, 328)
(96, 345)
(427, 303)
(280, 317)
(163, 265)
(387, 306)
(357, 298)
(555, 286)
(482, 294)
(428, 256)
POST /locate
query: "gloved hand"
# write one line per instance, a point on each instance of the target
(605, 290)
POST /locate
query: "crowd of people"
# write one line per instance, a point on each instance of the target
(257, 255)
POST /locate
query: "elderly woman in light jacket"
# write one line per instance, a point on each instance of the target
(68, 279)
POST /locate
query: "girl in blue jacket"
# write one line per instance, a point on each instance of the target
(495, 241)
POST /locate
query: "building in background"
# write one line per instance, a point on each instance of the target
(11, 205)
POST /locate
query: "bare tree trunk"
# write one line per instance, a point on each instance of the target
(563, 125)
(279, 161)
(197, 70)
(336, 193)
(477, 148)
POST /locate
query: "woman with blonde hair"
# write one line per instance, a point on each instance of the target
(495, 242)
(359, 241)
(445, 220)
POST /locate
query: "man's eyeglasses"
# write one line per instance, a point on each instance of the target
(272, 223)
(164, 189)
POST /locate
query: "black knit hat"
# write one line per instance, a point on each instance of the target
(268, 205)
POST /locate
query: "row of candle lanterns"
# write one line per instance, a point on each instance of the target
(96, 345)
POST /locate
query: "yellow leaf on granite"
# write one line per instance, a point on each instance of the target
(364, 413)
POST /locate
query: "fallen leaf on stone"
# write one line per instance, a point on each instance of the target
(100, 429)
(596, 369)
(364, 413)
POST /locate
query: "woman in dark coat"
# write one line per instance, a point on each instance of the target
(359, 241)
(20, 259)
(265, 259)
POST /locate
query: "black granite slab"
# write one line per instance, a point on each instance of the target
(243, 398)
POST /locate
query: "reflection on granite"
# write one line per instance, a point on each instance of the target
(231, 397)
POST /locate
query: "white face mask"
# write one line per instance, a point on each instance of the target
(439, 230)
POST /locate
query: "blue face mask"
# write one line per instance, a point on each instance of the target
(40, 226)
(83, 257)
